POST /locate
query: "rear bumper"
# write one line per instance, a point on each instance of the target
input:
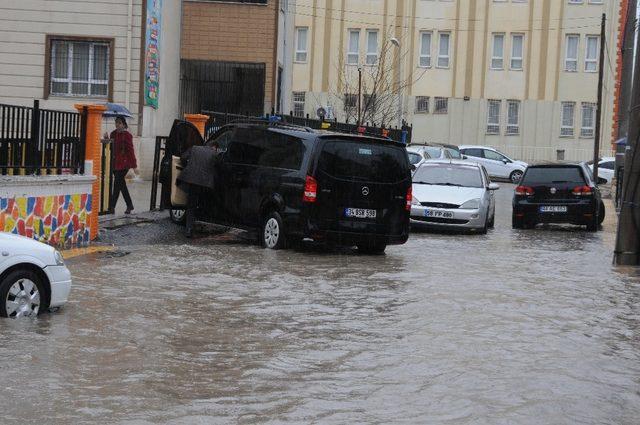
(581, 213)
(60, 281)
(462, 218)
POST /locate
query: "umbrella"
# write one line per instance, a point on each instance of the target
(115, 110)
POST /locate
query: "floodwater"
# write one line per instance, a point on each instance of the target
(515, 327)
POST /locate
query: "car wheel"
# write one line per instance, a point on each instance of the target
(178, 216)
(372, 248)
(515, 176)
(273, 236)
(21, 294)
(601, 213)
(517, 222)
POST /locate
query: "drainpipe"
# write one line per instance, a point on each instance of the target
(127, 93)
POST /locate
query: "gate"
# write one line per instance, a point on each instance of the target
(106, 177)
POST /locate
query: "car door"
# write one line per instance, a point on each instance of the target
(213, 206)
(496, 164)
(242, 180)
(473, 154)
(182, 137)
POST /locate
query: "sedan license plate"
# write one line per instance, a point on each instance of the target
(360, 213)
(553, 209)
(441, 214)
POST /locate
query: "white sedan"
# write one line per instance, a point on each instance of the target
(453, 194)
(33, 277)
(497, 164)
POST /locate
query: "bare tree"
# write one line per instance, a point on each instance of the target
(381, 88)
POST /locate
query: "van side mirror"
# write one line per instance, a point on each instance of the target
(465, 157)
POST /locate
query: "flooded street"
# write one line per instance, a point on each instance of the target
(514, 327)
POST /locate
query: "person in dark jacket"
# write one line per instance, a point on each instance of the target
(124, 159)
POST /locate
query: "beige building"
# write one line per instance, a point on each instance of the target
(518, 75)
(68, 52)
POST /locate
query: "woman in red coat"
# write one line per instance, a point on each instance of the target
(124, 159)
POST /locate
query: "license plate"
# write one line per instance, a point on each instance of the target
(435, 213)
(553, 209)
(360, 213)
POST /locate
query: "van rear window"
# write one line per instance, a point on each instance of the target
(352, 160)
(550, 175)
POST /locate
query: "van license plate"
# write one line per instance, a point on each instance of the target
(435, 213)
(553, 208)
(360, 213)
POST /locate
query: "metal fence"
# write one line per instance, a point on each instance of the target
(219, 119)
(41, 141)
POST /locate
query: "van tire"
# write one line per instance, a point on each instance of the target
(273, 235)
(178, 216)
(372, 249)
(601, 213)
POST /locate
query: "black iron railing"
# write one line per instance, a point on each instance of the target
(41, 141)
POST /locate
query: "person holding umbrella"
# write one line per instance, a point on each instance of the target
(124, 158)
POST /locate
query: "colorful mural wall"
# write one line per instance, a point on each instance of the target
(60, 220)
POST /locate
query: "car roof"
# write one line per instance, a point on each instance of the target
(567, 164)
(455, 162)
(476, 147)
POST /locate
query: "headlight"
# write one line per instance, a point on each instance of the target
(59, 259)
(414, 200)
(473, 204)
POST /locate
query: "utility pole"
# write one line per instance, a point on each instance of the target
(627, 252)
(359, 95)
(596, 147)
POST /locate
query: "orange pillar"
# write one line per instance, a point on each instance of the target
(198, 120)
(93, 152)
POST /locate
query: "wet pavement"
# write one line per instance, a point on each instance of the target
(515, 327)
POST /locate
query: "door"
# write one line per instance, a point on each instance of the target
(496, 164)
(183, 136)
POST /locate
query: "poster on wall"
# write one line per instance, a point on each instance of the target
(152, 54)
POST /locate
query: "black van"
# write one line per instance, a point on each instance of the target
(293, 183)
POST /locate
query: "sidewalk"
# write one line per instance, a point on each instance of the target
(140, 191)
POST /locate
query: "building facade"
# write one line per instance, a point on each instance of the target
(64, 53)
(234, 56)
(519, 75)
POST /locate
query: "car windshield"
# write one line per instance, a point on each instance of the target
(362, 161)
(414, 158)
(433, 152)
(455, 153)
(448, 175)
(551, 175)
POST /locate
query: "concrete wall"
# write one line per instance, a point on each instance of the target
(541, 85)
(233, 32)
(49, 209)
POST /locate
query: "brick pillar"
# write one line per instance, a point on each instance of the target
(93, 152)
(198, 120)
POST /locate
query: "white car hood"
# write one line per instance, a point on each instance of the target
(20, 245)
(446, 194)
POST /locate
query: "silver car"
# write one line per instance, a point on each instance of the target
(453, 194)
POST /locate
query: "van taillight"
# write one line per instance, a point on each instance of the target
(310, 190)
(409, 199)
(524, 191)
(582, 191)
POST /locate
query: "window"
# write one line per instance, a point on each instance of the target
(591, 55)
(425, 49)
(608, 165)
(567, 119)
(372, 47)
(493, 155)
(79, 68)
(497, 52)
(517, 48)
(588, 120)
(571, 53)
(422, 105)
(474, 152)
(299, 98)
(443, 50)
(353, 52)
(282, 151)
(247, 147)
(575, 1)
(350, 102)
(493, 117)
(301, 44)
(513, 117)
(442, 105)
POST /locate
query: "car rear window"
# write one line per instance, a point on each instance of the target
(360, 161)
(551, 175)
(455, 154)
(433, 152)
